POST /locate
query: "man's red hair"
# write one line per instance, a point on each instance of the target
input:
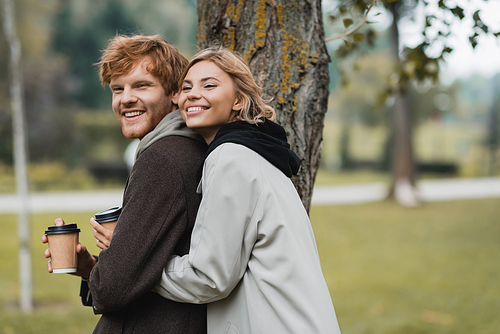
(124, 52)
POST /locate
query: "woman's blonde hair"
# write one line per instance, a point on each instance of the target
(254, 106)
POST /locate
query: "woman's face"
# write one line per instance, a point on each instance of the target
(207, 99)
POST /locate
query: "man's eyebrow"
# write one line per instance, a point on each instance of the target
(143, 81)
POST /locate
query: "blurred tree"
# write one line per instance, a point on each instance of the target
(82, 30)
(283, 41)
(416, 63)
(45, 79)
(62, 40)
(493, 123)
(173, 19)
(82, 41)
(355, 101)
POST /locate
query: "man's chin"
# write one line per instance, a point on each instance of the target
(130, 134)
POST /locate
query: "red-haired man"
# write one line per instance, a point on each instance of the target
(160, 201)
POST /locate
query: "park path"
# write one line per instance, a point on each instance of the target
(428, 190)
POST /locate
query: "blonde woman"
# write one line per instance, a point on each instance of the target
(253, 255)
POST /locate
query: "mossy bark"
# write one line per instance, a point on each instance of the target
(283, 42)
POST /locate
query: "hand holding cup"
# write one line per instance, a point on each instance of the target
(102, 234)
(85, 261)
(104, 225)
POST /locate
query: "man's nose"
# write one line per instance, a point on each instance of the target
(128, 96)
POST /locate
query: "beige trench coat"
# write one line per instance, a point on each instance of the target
(253, 255)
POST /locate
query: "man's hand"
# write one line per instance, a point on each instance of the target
(85, 260)
(102, 234)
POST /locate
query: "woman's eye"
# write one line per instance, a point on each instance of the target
(186, 88)
(210, 86)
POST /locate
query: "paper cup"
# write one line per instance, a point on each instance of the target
(109, 217)
(62, 244)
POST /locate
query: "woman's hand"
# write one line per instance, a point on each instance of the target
(102, 234)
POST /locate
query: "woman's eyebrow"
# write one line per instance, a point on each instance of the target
(209, 78)
(187, 81)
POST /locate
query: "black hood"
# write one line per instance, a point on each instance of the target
(267, 139)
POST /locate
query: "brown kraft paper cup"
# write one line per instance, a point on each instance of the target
(62, 244)
(109, 225)
(109, 217)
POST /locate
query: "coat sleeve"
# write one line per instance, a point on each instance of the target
(152, 222)
(224, 231)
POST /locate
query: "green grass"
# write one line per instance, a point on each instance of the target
(432, 269)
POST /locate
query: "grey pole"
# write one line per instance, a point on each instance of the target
(20, 156)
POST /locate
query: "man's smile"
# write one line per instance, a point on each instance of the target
(133, 113)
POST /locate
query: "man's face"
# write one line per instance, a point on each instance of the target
(140, 101)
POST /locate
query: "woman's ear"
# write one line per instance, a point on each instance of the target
(238, 104)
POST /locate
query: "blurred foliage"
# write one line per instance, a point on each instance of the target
(68, 113)
(371, 75)
(419, 63)
(55, 176)
(357, 100)
(452, 123)
(82, 30)
(61, 41)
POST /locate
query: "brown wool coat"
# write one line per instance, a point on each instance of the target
(158, 214)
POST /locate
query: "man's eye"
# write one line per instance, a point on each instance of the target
(117, 90)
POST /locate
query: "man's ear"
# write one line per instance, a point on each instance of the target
(175, 97)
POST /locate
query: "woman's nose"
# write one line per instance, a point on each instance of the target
(193, 94)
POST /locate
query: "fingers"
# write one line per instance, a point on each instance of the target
(102, 234)
(98, 227)
(102, 242)
(101, 245)
(58, 222)
(49, 266)
(47, 253)
(81, 249)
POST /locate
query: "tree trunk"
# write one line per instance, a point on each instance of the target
(283, 42)
(493, 142)
(20, 155)
(402, 186)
